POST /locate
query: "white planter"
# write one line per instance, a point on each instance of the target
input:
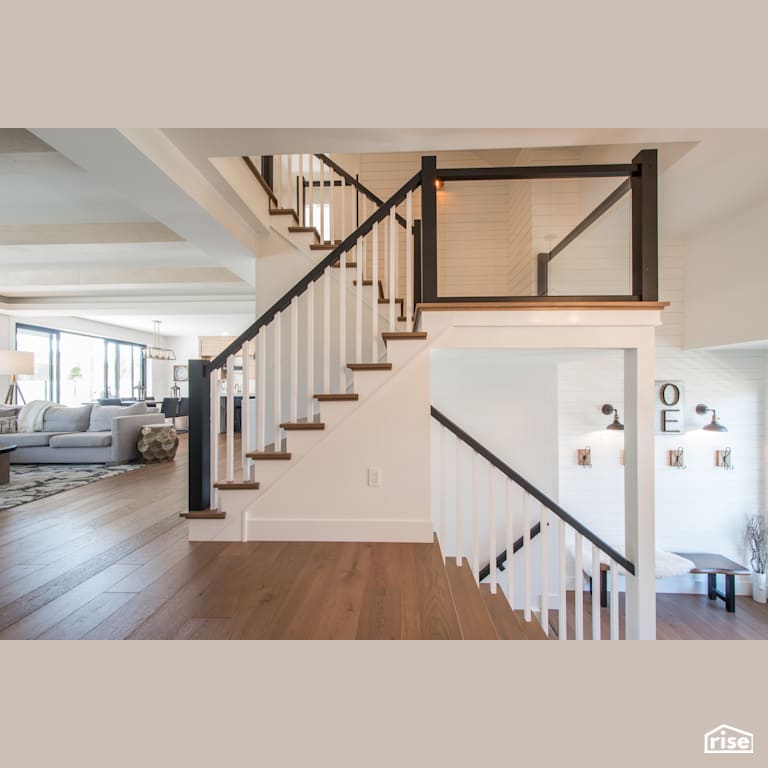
(759, 587)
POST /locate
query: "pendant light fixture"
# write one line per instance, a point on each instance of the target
(157, 352)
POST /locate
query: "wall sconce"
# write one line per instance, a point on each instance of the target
(723, 459)
(439, 184)
(714, 425)
(585, 457)
(677, 459)
(615, 424)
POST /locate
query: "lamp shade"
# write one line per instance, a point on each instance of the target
(15, 363)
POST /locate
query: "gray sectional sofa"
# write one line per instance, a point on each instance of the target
(90, 434)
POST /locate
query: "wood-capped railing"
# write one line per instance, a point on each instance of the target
(553, 520)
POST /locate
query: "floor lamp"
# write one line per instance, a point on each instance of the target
(15, 363)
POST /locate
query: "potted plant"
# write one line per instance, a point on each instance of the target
(757, 539)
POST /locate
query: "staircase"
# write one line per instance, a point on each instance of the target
(339, 362)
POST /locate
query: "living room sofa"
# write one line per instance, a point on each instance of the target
(89, 434)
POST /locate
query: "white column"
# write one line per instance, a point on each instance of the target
(639, 523)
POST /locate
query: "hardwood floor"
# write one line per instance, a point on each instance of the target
(110, 560)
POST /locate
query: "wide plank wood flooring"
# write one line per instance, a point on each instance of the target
(111, 560)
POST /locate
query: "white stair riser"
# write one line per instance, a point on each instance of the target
(334, 412)
(366, 383)
(300, 442)
(400, 351)
(234, 502)
(266, 472)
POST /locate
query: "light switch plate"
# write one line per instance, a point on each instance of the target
(374, 477)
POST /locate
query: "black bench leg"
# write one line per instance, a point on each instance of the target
(730, 593)
(712, 586)
(603, 589)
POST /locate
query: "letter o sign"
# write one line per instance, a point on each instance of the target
(669, 394)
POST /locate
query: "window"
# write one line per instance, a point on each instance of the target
(72, 368)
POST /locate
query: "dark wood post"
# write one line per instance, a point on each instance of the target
(645, 227)
(542, 274)
(267, 171)
(428, 228)
(199, 436)
(417, 266)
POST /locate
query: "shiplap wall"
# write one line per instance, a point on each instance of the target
(701, 508)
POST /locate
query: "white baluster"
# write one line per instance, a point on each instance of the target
(332, 207)
(375, 295)
(459, 534)
(578, 594)
(544, 569)
(310, 350)
(302, 208)
(392, 269)
(492, 540)
(323, 233)
(475, 522)
(614, 577)
(343, 323)
(261, 408)
(327, 331)
(343, 209)
(527, 555)
(278, 342)
(215, 421)
(359, 301)
(294, 361)
(287, 191)
(562, 625)
(595, 593)
(441, 490)
(311, 196)
(231, 417)
(245, 412)
(510, 547)
(385, 224)
(408, 261)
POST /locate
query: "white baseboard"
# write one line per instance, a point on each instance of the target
(313, 529)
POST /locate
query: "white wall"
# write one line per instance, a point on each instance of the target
(726, 269)
(701, 508)
(6, 342)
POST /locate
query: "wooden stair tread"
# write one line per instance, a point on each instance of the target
(269, 455)
(302, 425)
(284, 212)
(507, 625)
(204, 514)
(369, 366)
(473, 617)
(305, 230)
(332, 398)
(533, 630)
(232, 485)
(348, 265)
(321, 246)
(403, 335)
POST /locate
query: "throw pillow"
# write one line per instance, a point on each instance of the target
(9, 424)
(102, 415)
(59, 418)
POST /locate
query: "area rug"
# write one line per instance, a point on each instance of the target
(30, 482)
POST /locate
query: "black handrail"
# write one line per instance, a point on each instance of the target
(532, 490)
(356, 183)
(314, 274)
(538, 172)
(485, 571)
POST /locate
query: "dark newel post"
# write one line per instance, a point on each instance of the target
(428, 228)
(542, 274)
(357, 201)
(417, 267)
(267, 167)
(645, 227)
(199, 436)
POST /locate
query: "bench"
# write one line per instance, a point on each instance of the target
(705, 562)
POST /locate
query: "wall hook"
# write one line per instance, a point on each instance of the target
(723, 459)
(677, 459)
(585, 457)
